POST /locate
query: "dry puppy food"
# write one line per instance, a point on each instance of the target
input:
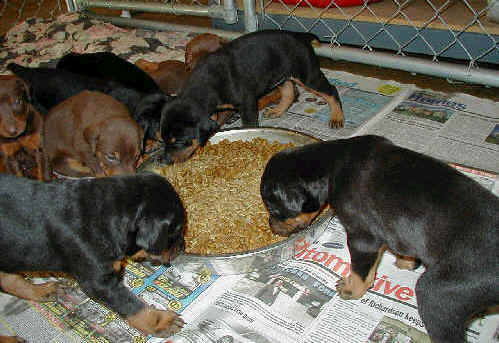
(220, 189)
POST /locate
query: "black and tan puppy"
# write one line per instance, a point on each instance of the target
(238, 74)
(388, 196)
(86, 228)
(51, 86)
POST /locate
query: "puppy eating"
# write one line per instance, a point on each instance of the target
(390, 197)
(84, 228)
(90, 134)
(236, 76)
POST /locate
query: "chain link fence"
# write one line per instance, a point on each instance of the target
(441, 29)
(455, 39)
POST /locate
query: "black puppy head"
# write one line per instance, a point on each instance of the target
(161, 225)
(292, 194)
(185, 127)
(148, 114)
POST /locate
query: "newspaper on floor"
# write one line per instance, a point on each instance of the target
(456, 128)
(296, 301)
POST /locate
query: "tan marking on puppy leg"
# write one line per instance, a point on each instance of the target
(11, 339)
(405, 262)
(287, 90)
(139, 256)
(156, 323)
(337, 119)
(269, 98)
(221, 117)
(353, 287)
(181, 156)
(16, 285)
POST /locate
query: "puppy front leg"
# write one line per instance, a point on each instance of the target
(364, 262)
(110, 290)
(18, 286)
(249, 111)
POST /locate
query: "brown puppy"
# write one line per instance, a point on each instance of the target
(200, 46)
(20, 130)
(170, 75)
(90, 134)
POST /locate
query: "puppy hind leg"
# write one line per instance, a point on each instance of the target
(18, 286)
(442, 309)
(320, 86)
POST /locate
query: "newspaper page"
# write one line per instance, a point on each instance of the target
(455, 128)
(297, 301)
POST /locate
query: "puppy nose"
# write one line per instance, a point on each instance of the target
(164, 158)
(279, 227)
(11, 131)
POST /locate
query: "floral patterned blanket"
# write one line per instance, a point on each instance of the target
(40, 43)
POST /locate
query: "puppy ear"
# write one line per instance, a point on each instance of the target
(310, 205)
(91, 136)
(155, 235)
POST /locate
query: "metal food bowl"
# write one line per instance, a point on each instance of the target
(243, 262)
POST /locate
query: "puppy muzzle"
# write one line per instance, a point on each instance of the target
(169, 255)
(281, 228)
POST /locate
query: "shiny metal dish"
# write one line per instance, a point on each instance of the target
(238, 263)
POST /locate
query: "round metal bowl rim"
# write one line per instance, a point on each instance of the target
(245, 254)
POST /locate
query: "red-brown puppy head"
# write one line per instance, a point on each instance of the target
(200, 46)
(293, 191)
(117, 145)
(185, 126)
(14, 106)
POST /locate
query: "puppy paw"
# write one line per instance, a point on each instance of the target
(343, 292)
(336, 123)
(157, 323)
(43, 292)
(351, 287)
(407, 263)
(273, 112)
